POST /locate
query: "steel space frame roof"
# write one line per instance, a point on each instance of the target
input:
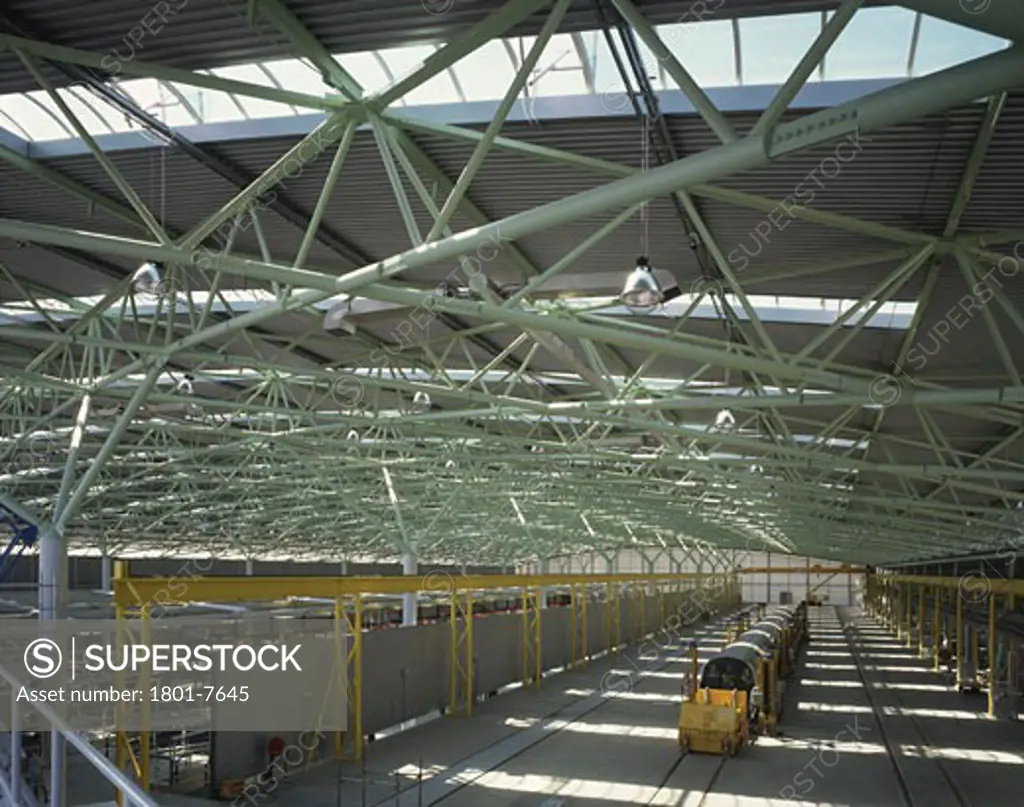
(504, 420)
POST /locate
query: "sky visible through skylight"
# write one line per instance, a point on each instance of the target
(879, 43)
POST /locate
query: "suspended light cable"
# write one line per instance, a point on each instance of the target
(642, 292)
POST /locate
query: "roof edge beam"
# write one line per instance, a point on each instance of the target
(136, 67)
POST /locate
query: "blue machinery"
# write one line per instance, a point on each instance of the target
(24, 536)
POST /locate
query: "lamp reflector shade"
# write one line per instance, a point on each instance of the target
(148, 278)
(642, 292)
(337, 320)
(420, 402)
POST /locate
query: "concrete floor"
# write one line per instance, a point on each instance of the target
(866, 721)
(562, 748)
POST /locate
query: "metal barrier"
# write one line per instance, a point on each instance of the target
(13, 785)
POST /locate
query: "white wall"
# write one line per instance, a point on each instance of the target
(842, 589)
(630, 561)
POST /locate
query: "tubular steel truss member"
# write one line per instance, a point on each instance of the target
(532, 611)
(579, 650)
(907, 101)
(461, 661)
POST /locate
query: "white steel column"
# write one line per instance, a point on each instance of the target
(248, 567)
(409, 600)
(52, 593)
(106, 572)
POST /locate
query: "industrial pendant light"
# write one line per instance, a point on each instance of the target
(642, 292)
(148, 278)
(420, 403)
(338, 319)
(187, 385)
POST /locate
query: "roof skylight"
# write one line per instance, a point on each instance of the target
(879, 43)
(792, 310)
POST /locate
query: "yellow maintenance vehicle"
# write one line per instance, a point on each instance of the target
(739, 694)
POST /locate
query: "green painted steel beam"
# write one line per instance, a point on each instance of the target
(308, 46)
(499, 22)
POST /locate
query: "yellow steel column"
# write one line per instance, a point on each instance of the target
(975, 650)
(526, 637)
(642, 596)
(630, 620)
(120, 738)
(959, 640)
(579, 625)
(341, 626)
(898, 599)
(460, 678)
(993, 650)
(661, 595)
(538, 613)
(356, 685)
(920, 620)
(890, 613)
(617, 614)
(773, 685)
(573, 608)
(936, 603)
(608, 617)
(761, 685)
(584, 639)
(469, 653)
(120, 751)
(454, 666)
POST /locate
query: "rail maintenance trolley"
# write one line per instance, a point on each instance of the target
(740, 691)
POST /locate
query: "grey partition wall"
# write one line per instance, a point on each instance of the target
(405, 674)
(406, 670)
(498, 648)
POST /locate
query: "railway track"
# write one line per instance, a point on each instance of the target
(435, 793)
(694, 777)
(851, 631)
